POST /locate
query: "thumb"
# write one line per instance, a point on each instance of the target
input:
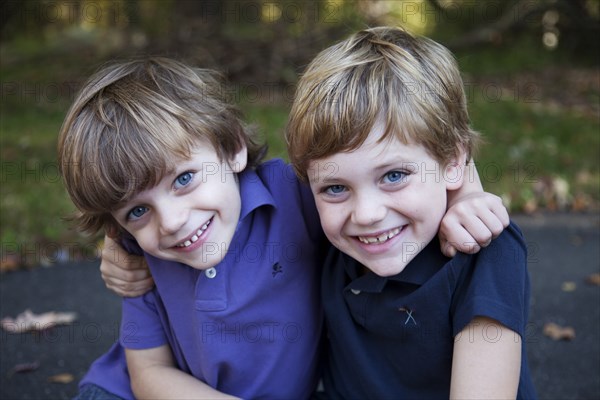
(447, 248)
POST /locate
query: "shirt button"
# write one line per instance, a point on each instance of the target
(210, 273)
(355, 291)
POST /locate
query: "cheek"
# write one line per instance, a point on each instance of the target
(330, 221)
(145, 240)
(434, 208)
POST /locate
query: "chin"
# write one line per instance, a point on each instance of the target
(386, 271)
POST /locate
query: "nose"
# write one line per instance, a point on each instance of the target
(368, 209)
(171, 218)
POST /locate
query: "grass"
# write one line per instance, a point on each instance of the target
(537, 156)
(270, 121)
(531, 154)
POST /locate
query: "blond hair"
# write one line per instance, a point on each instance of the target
(132, 121)
(412, 84)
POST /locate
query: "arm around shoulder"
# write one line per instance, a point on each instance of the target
(125, 274)
(473, 218)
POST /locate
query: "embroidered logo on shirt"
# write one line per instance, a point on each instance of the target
(277, 268)
(409, 314)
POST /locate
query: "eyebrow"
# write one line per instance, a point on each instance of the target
(317, 176)
(332, 178)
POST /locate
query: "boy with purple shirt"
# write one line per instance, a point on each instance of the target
(150, 150)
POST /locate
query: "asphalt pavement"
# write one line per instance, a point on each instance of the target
(564, 250)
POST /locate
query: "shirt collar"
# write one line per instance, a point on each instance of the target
(425, 264)
(253, 192)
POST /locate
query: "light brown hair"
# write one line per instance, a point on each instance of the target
(131, 121)
(411, 83)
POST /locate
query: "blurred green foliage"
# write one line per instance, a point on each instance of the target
(531, 72)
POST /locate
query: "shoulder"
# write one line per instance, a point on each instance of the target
(507, 252)
(289, 193)
(508, 247)
(276, 171)
(281, 180)
(493, 283)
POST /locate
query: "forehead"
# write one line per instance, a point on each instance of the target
(373, 156)
(159, 164)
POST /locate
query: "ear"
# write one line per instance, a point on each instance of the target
(454, 172)
(112, 229)
(112, 232)
(240, 160)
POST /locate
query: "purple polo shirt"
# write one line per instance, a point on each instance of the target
(251, 326)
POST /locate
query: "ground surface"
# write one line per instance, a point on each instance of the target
(564, 250)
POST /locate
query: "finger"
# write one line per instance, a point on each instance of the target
(494, 205)
(447, 249)
(130, 289)
(114, 257)
(478, 232)
(110, 243)
(461, 236)
(111, 272)
(462, 240)
(502, 215)
(113, 253)
(112, 232)
(493, 223)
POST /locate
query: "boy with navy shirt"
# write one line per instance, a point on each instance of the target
(151, 152)
(379, 128)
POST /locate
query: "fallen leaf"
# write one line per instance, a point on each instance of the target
(576, 240)
(568, 286)
(61, 378)
(530, 206)
(28, 321)
(24, 367)
(593, 279)
(9, 263)
(557, 332)
(581, 202)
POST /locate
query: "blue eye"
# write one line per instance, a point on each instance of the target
(394, 176)
(137, 212)
(335, 189)
(183, 179)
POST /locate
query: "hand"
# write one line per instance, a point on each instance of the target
(125, 274)
(472, 222)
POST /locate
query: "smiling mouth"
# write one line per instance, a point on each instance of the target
(194, 238)
(382, 238)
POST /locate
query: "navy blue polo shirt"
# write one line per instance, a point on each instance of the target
(392, 337)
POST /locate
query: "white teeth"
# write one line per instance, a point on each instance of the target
(381, 238)
(195, 237)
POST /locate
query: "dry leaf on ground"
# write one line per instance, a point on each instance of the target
(9, 263)
(24, 367)
(61, 378)
(593, 279)
(28, 321)
(557, 332)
